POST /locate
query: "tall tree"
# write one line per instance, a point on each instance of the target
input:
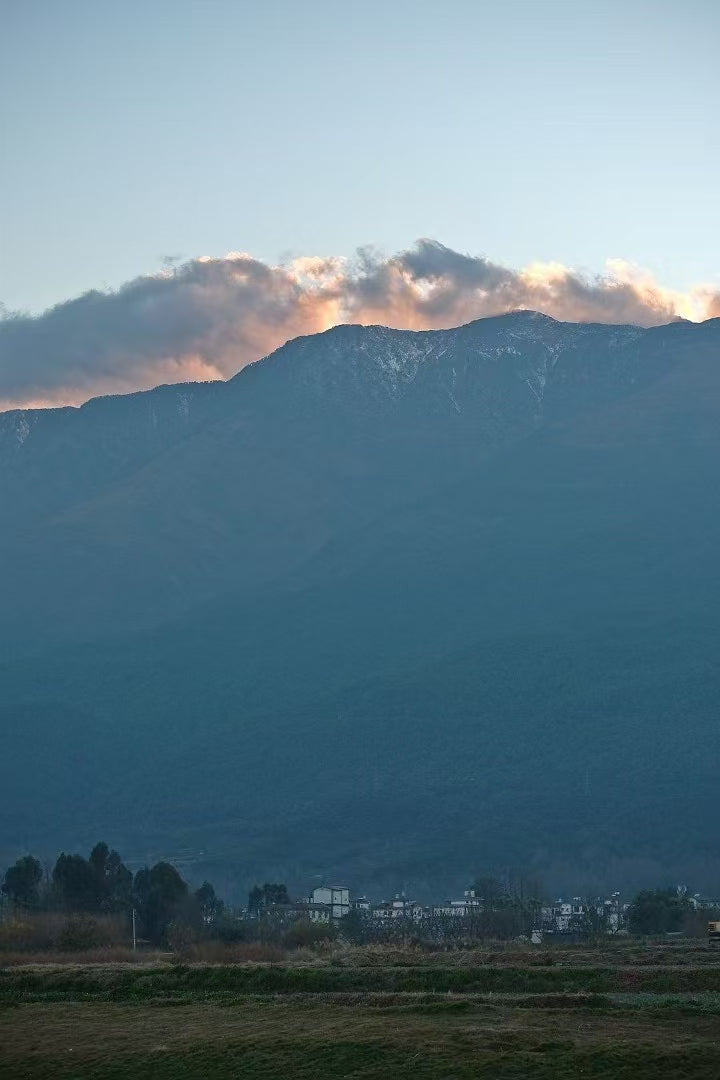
(112, 878)
(22, 882)
(98, 861)
(119, 881)
(210, 906)
(490, 890)
(160, 895)
(75, 883)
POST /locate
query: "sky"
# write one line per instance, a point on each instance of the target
(139, 137)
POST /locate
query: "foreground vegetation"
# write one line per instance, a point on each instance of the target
(630, 1011)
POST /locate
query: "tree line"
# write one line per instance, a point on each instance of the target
(168, 911)
(103, 885)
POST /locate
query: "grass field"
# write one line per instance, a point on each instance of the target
(628, 1013)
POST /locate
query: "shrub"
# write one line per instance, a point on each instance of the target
(44, 931)
(305, 934)
(79, 933)
(180, 937)
(231, 930)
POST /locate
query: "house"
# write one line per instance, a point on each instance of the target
(317, 913)
(406, 909)
(382, 911)
(334, 898)
(612, 912)
(705, 903)
(399, 908)
(561, 915)
(284, 914)
(469, 905)
(566, 916)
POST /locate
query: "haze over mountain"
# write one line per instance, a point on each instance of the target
(390, 606)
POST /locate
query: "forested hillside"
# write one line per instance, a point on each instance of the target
(388, 606)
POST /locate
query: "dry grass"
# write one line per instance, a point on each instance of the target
(219, 952)
(615, 952)
(112, 955)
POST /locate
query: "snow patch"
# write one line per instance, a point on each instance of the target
(22, 428)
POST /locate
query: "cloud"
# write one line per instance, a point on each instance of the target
(208, 317)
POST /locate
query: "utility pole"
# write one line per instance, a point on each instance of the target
(133, 926)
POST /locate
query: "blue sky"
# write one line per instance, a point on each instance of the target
(568, 131)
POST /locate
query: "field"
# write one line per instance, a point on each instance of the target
(624, 1011)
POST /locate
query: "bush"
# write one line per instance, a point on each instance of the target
(45, 931)
(180, 937)
(305, 934)
(79, 933)
(19, 934)
(232, 930)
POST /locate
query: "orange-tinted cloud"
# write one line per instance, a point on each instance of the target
(209, 317)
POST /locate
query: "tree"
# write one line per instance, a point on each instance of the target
(98, 861)
(113, 880)
(119, 882)
(657, 911)
(490, 890)
(266, 896)
(22, 882)
(75, 883)
(208, 903)
(160, 896)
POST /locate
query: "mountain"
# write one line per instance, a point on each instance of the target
(392, 606)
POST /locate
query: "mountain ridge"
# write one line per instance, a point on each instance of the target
(10, 417)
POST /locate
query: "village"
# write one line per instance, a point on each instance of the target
(471, 915)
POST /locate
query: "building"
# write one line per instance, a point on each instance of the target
(317, 913)
(469, 905)
(563, 915)
(382, 911)
(568, 916)
(705, 903)
(406, 909)
(399, 908)
(334, 898)
(613, 913)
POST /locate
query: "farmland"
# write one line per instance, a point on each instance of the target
(631, 1011)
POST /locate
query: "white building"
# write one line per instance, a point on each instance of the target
(406, 909)
(566, 916)
(705, 903)
(469, 905)
(334, 898)
(383, 910)
(399, 908)
(563, 914)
